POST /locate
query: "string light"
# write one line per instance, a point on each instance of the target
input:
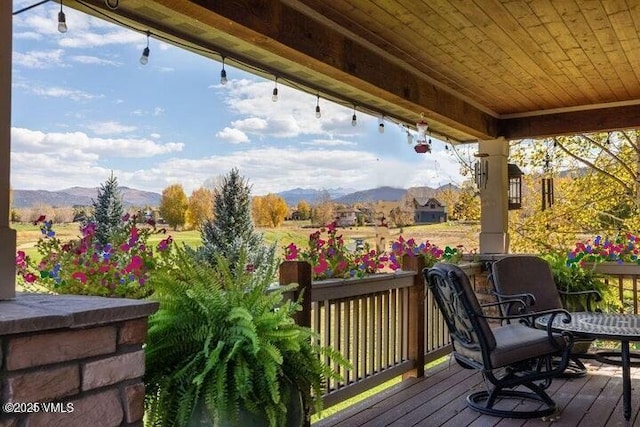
(62, 20)
(318, 114)
(223, 74)
(145, 53)
(274, 96)
(381, 124)
(354, 119)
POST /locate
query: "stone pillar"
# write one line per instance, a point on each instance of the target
(7, 235)
(76, 361)
(494, 219)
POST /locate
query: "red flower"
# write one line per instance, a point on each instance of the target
(79, 275)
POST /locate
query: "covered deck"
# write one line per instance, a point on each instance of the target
(484, 72)
(438, 399)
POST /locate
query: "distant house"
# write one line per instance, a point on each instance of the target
(347, 217)
(429, 212)
(296, 215)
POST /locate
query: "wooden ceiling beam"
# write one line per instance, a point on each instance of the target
(286, 32)
(566, 123)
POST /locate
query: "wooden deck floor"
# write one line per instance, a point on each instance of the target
(439, 400)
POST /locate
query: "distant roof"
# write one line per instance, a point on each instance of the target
(428, 202)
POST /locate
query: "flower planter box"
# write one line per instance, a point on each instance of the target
(616, 269)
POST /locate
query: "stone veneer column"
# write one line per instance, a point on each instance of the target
(7, 235)
(494, 219)
(82, 353)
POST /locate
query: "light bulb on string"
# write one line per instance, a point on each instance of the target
(381, 124)
(409, 138)
(354, 119)
(274, 95)
(223, 74)
(144, 58)
(318, 114)
(62, 20)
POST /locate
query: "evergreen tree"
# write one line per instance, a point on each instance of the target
(232, 228)
(107, 210)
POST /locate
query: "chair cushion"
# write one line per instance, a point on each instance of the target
(515, 343)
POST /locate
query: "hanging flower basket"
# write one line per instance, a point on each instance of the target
(422, 148)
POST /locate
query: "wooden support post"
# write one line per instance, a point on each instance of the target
(7, 234)
(416, 314)
(299, 272)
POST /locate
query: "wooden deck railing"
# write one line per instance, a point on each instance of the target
(386, 325)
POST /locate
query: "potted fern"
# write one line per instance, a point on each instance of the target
(224, 349)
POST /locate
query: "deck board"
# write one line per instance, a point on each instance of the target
(438, 399)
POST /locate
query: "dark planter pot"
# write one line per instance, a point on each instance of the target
(295, 415)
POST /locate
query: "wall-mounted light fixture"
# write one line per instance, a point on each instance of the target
(515, 186)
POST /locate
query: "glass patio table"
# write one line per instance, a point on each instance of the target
(624, 328)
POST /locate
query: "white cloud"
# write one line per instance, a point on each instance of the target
(27, 35)
(328, 143)
(110, 128)
(94, 60)
(76, 159)
(292, 116)
(60, 92)
(158, 111)
(25, 141)
(251, 124)
(234, 136)
(39, 59)
(82, 39)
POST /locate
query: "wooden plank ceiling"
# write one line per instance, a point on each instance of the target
(477, 69)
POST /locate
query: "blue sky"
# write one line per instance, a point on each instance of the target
(83, 105)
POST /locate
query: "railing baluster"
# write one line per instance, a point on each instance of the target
(347, 338)
(379, 331)
(372, 331)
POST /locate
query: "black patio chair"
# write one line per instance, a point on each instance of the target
(509, 355)
(529, 278)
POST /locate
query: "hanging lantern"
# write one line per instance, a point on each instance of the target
(515, 186)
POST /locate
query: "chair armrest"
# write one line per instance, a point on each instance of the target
(523, 301)
(506, 302)
(527, 298)
(590, 294)
(533, 315)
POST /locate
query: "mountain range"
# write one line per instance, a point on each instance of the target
(80, 196)
(83, 196)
